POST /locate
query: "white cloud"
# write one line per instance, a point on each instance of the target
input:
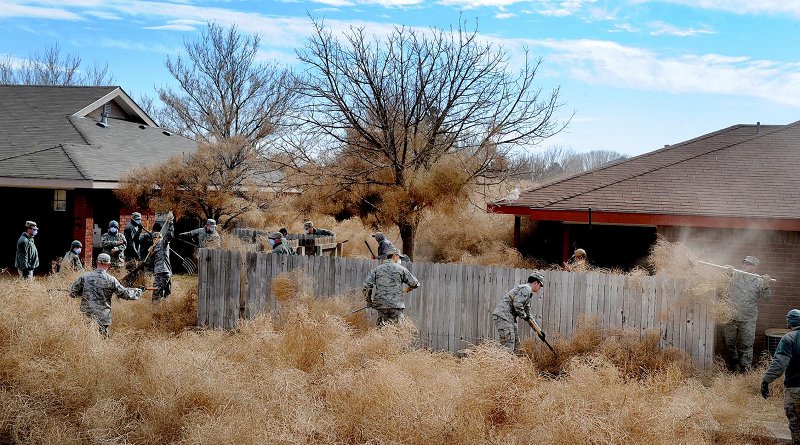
(608, 63)
(661, 28)
(626, 27)
(20, 10)
(776, 7)
(559, 8)
(104, 15)
(504, 15)
(179, 25)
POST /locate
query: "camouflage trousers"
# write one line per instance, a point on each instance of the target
(791, 404)
(163, 282)
(739, 336)
(389, 315)
(508, 333)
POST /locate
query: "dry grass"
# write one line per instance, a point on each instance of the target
(309, 374)
(701, 282)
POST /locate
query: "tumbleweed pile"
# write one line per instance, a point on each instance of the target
(307, 375)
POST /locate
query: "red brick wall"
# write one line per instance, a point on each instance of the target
(778, 251)
(83, 225)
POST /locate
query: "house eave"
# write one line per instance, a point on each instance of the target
(648, 219)
(63, 184)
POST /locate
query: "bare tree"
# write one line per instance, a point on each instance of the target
(412, 120)
(223, 91)
(558, 160)
(52, 68)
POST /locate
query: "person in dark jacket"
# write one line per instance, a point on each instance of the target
(27, 256)
(787, 360)
(132, 232)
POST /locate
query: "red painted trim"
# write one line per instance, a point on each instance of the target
(649, 219)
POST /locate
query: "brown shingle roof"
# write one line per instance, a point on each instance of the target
(734, 172)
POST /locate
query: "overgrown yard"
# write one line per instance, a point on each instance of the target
(310, 375)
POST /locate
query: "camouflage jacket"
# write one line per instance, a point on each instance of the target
(786, 359)
(161, 263)
(95, 289)
(516, 303)
(283, 249)
(386, 282)
(71, 262)
(201, 238)
(384, 247)
(745, 291)
(27, 255)
(132, 233)
(109, 243)
(323, 232)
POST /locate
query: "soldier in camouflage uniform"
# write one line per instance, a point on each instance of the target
(787, 359)
(740, 333)
(162, 268)
(72, 261)
(96, 288)
(311, 230)
(27, 258)
(516, 303)
(383, 288)
(276, 240)
(113, 244)
(384, 245)
(578, 262)
(205, 236)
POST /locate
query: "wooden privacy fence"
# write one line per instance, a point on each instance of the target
(453, 306)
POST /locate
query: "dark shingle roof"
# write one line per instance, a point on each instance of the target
(41, 138)
(740, 171)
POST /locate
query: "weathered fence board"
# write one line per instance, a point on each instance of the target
(453, 306)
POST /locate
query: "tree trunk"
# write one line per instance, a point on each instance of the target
(408, 231)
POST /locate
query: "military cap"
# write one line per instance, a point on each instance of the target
(113, 224)
(536, 276)
(793, 318)
(283, 231)
(308, 224)
(393, 251)
(30, 224)
(211, 222)
(580, 252)
(274, 235)
(379, 236)
(104, 258)
(76, 243)
(136, 216)
(751, 260)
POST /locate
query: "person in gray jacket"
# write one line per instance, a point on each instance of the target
(162, 267)
(383, 288)
(740, 333)
(27, 258)
(72, 260)
(787, 360)
(95, 290)
(516, 303)
(384, 245)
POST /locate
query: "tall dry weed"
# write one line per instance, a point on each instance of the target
(307, 374)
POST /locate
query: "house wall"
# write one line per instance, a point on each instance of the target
(779, 252)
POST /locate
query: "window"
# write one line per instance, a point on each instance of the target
(59, 200)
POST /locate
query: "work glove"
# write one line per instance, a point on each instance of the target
(766, 279)
(765, 390)
(542, 335)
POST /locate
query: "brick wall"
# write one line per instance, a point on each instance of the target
(83, 225)
(778, 251)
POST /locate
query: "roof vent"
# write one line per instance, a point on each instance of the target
(104, 117)
(758, 127)
(167, 133)
(142, 126)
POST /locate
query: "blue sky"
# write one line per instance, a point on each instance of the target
(638, 74)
